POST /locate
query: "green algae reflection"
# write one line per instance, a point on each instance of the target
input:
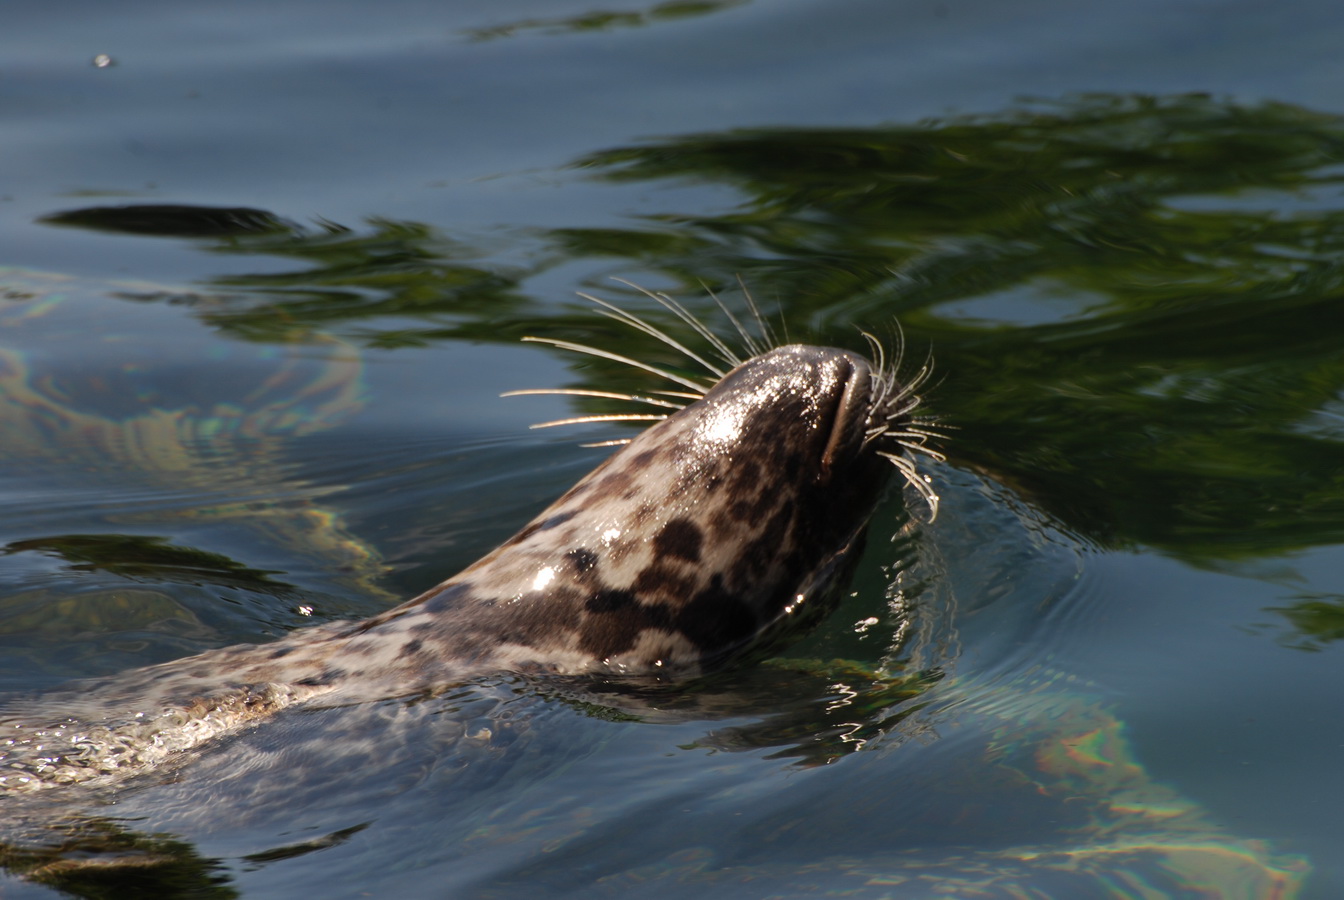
(1134, 301)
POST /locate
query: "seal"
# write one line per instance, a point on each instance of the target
(718, 529)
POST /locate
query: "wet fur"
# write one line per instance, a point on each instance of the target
(710, 532)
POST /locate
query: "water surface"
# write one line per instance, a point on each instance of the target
(1109, 668)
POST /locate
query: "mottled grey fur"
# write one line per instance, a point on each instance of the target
(704, 535)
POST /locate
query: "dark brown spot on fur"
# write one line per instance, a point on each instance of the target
(757, 555)
(447, 597)
(609, 601)
(537, 619)
(642, 459)
(615, 622)
(746, 476)
(679, 539)
(753, 510)
(716, 620)
(660, 582)
(543, 525)
(582, 559)
(612, 485)
(558, 519)
(722, 524)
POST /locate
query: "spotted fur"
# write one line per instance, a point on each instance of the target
(708, 533)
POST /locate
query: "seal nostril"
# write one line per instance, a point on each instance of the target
(846, 416)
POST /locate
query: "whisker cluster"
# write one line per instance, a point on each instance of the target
(893, 420)
(901, 435)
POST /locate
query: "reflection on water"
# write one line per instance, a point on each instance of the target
(117, 426)
(1133, 300)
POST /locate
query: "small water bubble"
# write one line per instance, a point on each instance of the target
(103, 61)
(305, 610)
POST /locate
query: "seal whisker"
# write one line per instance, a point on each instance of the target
(749, 343)
(761, 322)
(907, 468)
(699, 388)
(922, 430)
(700, 328)
(921, 447)
(920, 378)
(677, 394)
(915, 442)
(607, 395)
(902, 415)
(615, 442)
(877, 432)
(879, 364)
(916, 429)
(628, 318)
(917, 481)
(612, 417)
(888, 370)
(901, 405)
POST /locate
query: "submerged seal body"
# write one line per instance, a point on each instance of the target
(703, 536)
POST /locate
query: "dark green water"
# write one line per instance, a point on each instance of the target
(266, 396)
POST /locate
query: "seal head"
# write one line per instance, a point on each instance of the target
(702, 534)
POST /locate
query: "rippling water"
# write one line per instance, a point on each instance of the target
(266, 270)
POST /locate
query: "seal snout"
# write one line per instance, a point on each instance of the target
(849, 417)
(838, 389)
